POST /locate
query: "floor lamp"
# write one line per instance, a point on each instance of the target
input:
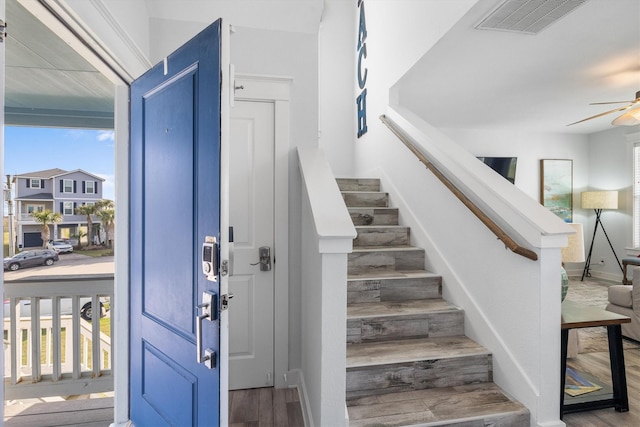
(598, 200)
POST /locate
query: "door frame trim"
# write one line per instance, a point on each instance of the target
(263, 88)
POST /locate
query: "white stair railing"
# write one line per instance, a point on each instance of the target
(50, 350)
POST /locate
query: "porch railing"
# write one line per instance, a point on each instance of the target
(50, 349)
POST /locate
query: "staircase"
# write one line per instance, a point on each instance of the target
(408, 360)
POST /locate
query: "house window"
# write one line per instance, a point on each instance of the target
(35, 208)
(35, 183)
(67, 208)
(90, 187)
(67, 186)
(636, 195)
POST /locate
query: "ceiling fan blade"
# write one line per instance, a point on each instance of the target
(612, 102)
(602, 114)
(630, 118)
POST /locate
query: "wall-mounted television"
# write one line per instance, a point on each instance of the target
(505, 166)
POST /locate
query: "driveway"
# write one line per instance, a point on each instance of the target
(69, 264)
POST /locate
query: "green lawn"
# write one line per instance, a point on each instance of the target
(96, 253)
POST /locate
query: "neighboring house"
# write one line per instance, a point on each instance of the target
(58, 191)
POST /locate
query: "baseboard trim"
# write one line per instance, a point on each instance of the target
(552, 424)
(601, 275)
(295, 378)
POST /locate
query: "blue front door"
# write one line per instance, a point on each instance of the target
(174, 207)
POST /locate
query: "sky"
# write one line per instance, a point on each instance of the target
(34, 149)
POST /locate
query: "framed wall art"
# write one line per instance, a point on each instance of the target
(556, 187)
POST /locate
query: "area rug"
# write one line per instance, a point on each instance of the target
(593, 292)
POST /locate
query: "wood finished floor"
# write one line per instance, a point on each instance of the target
(265, 407)
(77, 413)
(597, 364)
(261, 407)
(281, 407)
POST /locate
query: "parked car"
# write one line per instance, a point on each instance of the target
(86, 309)
(72, 241)
(31, 259)
(60, 246)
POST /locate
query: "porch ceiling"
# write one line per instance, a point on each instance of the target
(46, 82)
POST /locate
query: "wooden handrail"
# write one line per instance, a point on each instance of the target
(488, 222)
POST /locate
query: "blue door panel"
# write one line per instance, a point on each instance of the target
(174, 206)
(168, 254)
(181, 384)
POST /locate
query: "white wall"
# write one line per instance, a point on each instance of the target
(530, 148)
(601, 161)
(610, 168)
(337, 106)
(399, 32)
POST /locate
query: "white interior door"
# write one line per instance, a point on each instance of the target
(251, 178)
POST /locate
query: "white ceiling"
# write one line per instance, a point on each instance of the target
(492, 79)
(506, 80)
(301, 16)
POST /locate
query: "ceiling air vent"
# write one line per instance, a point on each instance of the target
(527, 16)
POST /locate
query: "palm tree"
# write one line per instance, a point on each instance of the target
(103, 205)
(107, 216)
(87, 210)
(45, 218)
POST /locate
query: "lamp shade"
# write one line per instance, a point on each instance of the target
(574, 251)
(630, 118)
(599, 200)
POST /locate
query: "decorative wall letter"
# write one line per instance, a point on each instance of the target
(361, 48)
(361, 102)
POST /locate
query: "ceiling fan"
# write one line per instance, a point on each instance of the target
(630, 118)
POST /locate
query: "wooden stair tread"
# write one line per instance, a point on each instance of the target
(363, 192)
(458, 405)
(408, 360)
(395, 274)
(397, 248)
(396, 308)
(374, 226)
(411, 350)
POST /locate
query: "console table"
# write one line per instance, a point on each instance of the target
(575, 316)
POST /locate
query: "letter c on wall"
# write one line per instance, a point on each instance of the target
(362, 80)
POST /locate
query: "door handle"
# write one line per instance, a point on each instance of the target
(265, 258)
(209, 307)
